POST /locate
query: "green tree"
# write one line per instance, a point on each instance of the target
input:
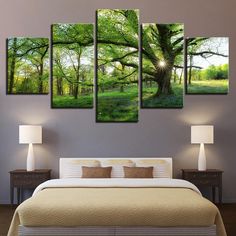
(72, 59)
(204, 49)
(31, 53)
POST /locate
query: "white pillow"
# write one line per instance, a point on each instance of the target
(160, 167)
(117, 166)
(74, 167)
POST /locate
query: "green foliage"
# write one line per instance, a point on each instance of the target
(118, 106)
(162, 65)
(28, 65)
(211, 73)
(207, 65)
(216, 72)
(174, 100)
(208, 86)
(73, 65)
(70, 102)
(117, 65)
(157, 39)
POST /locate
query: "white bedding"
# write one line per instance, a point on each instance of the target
(115, 182)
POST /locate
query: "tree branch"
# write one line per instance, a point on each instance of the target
(204, 54)
(197, 67)
(124, 77)
(83, 44)
(195, 41)
(62, 71)
(124, 56)
(177, 41)
(31, 49)
(125, 44)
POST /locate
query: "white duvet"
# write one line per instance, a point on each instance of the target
(116, 183)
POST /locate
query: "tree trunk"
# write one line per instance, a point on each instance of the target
(122, 73)
(163, 79)
(76, 88)
(76, 91)
(12, 67)
(180, 77)
(40, 83)
(83, 89)
(59, 87)
(71, 89)
(175, 75)
(190, 69)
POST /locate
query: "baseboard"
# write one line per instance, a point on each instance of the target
(4, 202)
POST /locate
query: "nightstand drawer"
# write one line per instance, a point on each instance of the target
(26, 181)
(204, 181)
(202, 175)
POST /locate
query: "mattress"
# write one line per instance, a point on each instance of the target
(112, 202)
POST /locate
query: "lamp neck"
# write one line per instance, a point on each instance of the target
(201, 145)
(202, 158)
(30, 158)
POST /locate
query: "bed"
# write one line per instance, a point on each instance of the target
(159, 206)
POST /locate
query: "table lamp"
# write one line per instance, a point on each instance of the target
(202, 134)
(30, 134)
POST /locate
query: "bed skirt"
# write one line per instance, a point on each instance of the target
(118, 231)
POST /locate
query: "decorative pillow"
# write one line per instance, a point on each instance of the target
(117, 166)
(74, 169)
(160, 167)
(96, 172)
(138, 172)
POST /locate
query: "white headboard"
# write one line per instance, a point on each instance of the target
(67, 165)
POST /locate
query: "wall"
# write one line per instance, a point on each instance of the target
(158, 133)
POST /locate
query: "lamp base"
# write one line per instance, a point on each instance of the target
(30, 166)
(202, 158)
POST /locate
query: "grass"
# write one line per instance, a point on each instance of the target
(116, 106)
(174, 100)
(70, 102)
(208, 86)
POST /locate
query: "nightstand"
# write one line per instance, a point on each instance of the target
(210, 178)
(22, 179)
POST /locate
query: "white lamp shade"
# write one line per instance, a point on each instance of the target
(30, 134)
(202, 134)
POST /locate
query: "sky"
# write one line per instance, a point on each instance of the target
(215, 44)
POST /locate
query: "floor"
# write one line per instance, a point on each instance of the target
(228, 212)
(6, 213)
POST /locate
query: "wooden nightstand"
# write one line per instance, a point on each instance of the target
(22, 179)
(211, 178)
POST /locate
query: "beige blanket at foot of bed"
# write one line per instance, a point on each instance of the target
(171, 207)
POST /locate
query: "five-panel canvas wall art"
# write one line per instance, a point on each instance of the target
(150, 62)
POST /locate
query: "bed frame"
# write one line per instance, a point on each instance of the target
(67, 164)
(119, 231)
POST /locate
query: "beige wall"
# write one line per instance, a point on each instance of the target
(158, 133)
